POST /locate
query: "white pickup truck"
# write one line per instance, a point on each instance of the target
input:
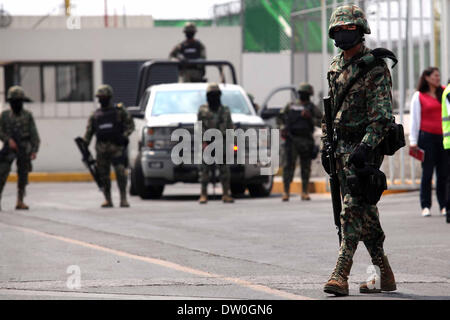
(166, 107)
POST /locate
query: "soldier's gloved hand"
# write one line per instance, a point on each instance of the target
(325, 160)
(359, 155)
(123, 140)
(306, 114)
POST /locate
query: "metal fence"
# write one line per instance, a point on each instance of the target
(417, 31)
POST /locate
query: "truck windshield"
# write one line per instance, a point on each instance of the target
(189, 101)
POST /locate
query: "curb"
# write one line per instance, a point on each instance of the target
(321, 186)
(57, 177)
(315, 186)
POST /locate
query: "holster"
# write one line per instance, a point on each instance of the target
(368, 183)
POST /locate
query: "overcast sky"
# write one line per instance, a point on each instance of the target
(159, 9)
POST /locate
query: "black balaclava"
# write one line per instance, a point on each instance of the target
(104, 101)
(347, 39)
(213, 100)
(304, 96)
(16, 105)
(189, 35)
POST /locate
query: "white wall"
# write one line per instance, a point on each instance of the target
(95, 45)
(60, 123)
(262, 72)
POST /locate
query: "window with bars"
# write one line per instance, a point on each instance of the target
(52, 81)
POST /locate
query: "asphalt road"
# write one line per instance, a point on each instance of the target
(66, 247)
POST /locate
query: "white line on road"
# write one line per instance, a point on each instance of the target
(166, 264)
(89, 295)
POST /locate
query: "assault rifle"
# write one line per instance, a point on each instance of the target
(334, 181)
(89, 161)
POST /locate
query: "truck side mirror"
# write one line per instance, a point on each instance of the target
(269, 113)
(136, 112)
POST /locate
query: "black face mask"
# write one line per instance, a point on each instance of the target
(189, 35)
(16, 106)
(347, 39)
(104, 101)
(213, 101)
(304, 96)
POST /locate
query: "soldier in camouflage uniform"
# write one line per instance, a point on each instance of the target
(112, 125)
(214, 115)
(190, 49)
(297, 121)
(21, 141)
(360, 125)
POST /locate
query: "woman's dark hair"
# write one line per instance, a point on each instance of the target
(423, 84)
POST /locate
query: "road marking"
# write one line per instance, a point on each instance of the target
(166, 264)
(90, 295)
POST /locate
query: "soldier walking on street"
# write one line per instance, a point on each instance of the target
(190, 49)
(21, 141)
(362, 111)
(111, 125)
(214, 115)
(297, 121)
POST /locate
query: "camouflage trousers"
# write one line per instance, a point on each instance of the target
(110, 154)
(297, 147)
(192, 75)
(359, 220)
(23, 168)
(224, 176)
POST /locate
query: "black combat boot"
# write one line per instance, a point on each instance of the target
(20, 204)
(108, 201)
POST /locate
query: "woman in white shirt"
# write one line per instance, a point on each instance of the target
(426, 134)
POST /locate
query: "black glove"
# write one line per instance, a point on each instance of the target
(325, 159)
(123, 140)
(359, 155)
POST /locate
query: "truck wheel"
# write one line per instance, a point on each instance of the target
(237, 190)
(145, 192)
(261, 189)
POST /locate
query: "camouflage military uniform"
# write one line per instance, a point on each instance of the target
(215, 119)
(299, 142)
(190, 49)
(113, 151)
(362, 118)
(21, 128)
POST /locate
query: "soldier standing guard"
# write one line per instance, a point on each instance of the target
(363, 113)
(21, 141)
(297, 121)
(111, 125)
(214, 115)
(190, 49)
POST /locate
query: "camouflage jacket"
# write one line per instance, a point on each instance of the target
(21, 128)
(367, 108)
(123, 116)
(220, 119)
(316, 114)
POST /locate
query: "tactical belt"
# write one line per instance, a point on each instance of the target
(300, 132)
(350, 137)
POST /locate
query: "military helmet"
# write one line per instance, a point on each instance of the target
(348, 15)
(305, 87)
(104, 90)
(15, 93)
(190, 27)
(213, 87)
